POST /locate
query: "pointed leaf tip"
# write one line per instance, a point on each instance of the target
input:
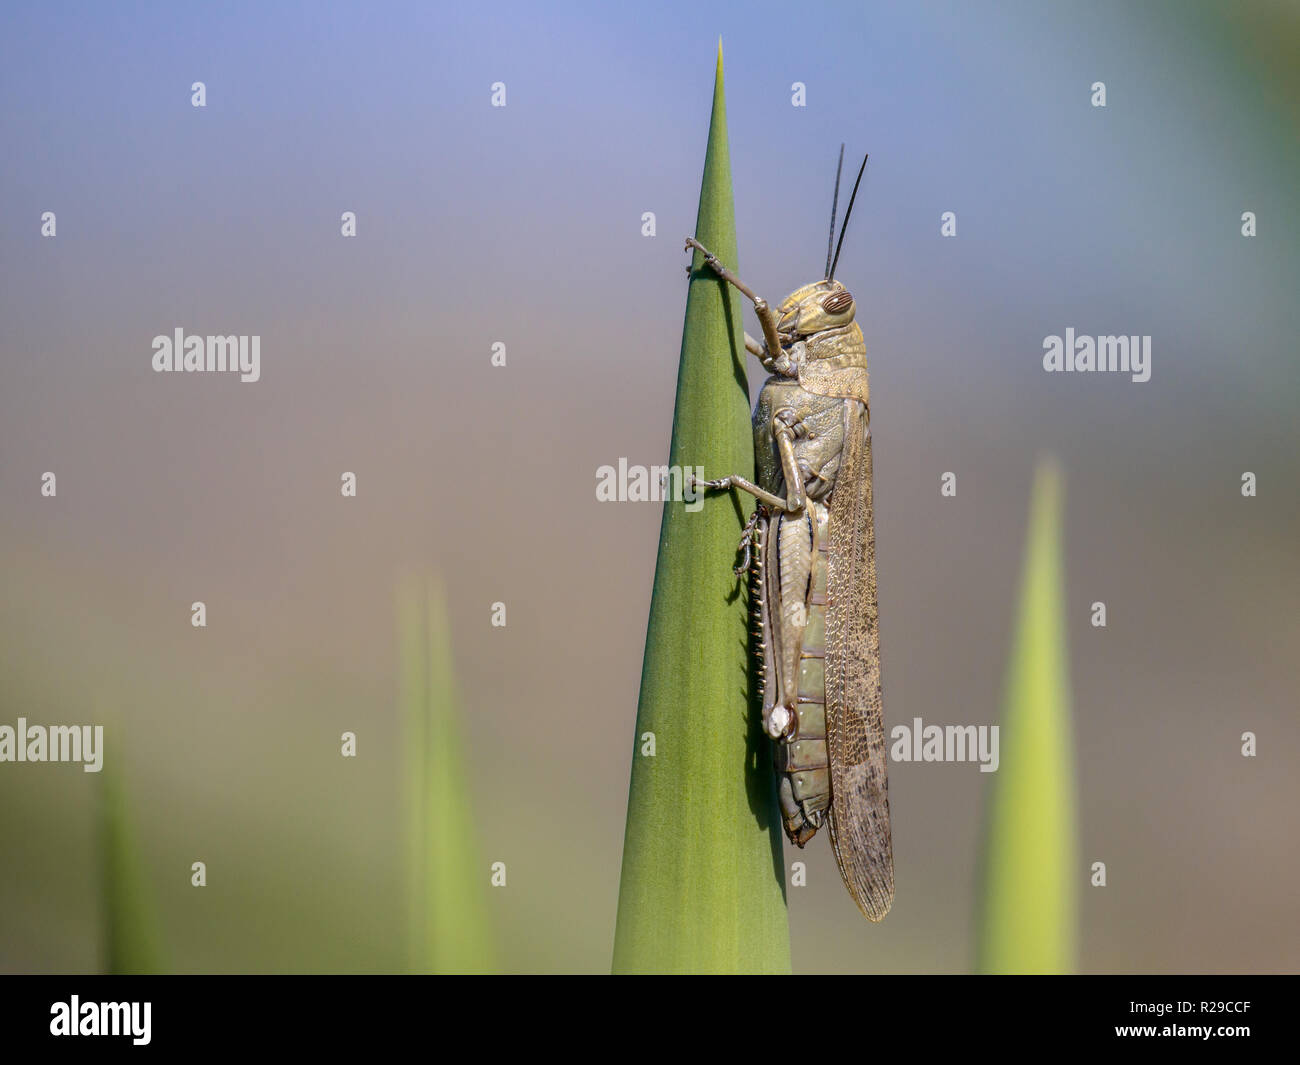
(702, 888)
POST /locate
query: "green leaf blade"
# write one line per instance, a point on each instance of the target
(702, 887)
(1030, 897)
(132, 940)
(448, 923)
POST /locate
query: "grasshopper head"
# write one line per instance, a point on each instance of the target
(813, 309)
(807, 312)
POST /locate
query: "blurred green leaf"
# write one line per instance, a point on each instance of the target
(1030, 854)
(449, 927)
(703, 885)
(131, 937)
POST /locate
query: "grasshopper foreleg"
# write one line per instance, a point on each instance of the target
(766, 316)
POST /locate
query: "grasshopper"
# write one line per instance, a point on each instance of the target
(809, 550)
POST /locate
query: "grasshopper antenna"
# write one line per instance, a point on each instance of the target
(830, 274)
(835, 202)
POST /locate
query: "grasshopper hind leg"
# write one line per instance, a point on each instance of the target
(747, 542)
(798, 731)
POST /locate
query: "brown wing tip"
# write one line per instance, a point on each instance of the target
(875, 906)
(863, 848)
(871, 886)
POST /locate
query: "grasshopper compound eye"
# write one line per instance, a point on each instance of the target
(838, 302)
